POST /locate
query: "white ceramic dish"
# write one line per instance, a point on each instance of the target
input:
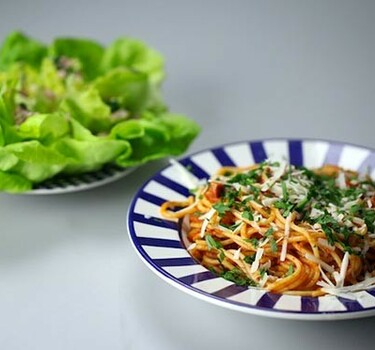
(160, 243)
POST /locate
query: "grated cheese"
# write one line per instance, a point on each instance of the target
(192, 246)
(236, 255)
(340, 180)
(263, 280)
(324, 243)
(255, 264)
(348, 291)
(206, 219)
(286, 236)
(343, 269)
(324, 265)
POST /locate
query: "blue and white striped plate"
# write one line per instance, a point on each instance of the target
(159, 242)
(80, 182)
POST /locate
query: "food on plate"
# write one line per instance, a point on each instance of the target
(284, 228)
(75, 105)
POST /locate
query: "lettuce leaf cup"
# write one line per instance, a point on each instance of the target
(74, 106)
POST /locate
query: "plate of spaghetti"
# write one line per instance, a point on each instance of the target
(279, 227)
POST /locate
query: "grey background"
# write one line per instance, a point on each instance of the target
(69, 278)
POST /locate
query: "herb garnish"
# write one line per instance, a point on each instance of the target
(221, 208)
(238, 277)
(212, 243)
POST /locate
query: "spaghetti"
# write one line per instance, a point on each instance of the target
(284, 228)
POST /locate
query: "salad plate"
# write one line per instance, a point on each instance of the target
(80, 182)
(162, 245)
(73, 106)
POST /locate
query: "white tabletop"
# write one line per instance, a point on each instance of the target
(69, 277)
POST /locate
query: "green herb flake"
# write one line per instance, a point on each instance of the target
(221, 208)
(221, 256)
(285, 191)
(262, 272)
(269, 232)
(290, 270)
(273, 245)
(212, 243)
(250, 258)
(238, 277)
(254, 241)
(248, 215)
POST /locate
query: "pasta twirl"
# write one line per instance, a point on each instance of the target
(284, 228)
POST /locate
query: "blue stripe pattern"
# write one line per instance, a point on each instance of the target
(151, 198)
(308, 305)
(160, 242)
(268, 300)
(155, 221)
(350, 305)
(295, 152)
(229, 291)
(368, 163)
(223, 157)
(194, 168)
(172, 185)
(259, 154)
(198, 277)
(333, 153)
(174, 262)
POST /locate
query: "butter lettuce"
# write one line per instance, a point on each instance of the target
(44, 127)
(75, 105)
(87, 152)
(17, 47)
(35, 161)
(130, 53)
(87, 53)
(14, 183)
(88, 108)
(155, 137)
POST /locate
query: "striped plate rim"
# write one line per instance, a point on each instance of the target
(160, 245)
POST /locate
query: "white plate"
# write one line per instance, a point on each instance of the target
(159, 242)
(80, 182)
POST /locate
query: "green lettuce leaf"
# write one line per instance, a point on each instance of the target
(89, 54)
(17, 47)
(7, 160)
(155, 137)
(7, 86)
(88, 152)
(35, 161)
(91, 155)
(8, 134)
(88, 108)
(2, 137)
(44, 127)
(14, 183)
(129, 89)
(133, 54)
(75, 106)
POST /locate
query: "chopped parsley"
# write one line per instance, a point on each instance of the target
(212, 243)
(254, 241)
(250, 258)
(221, 208)
(248, 215)
(290, 270)
(238, 277)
